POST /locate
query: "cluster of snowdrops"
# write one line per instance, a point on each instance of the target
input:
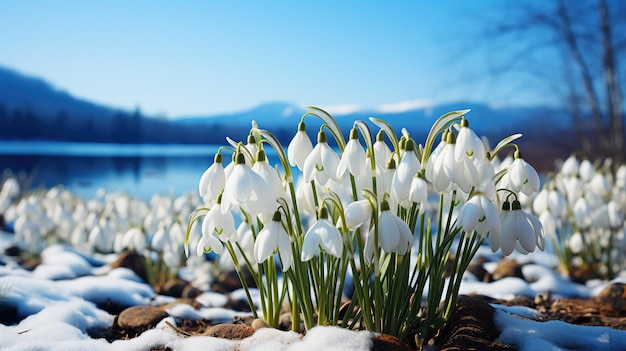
(383, 214)
(109, 223)
(581, 207)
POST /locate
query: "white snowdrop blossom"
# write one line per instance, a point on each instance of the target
(269, 174)
(247, 189)
(550, 199)
(548, 222)
(273, 238)
(468, 144)
(218, 222)
(321, 163)
(357, 213)
(382, 152)
(393, 234)
(322, 234)
(299, 147)
(213, 180)
(353, 157)
(418, 193)
(518, 226)
(586, 170)
(208, 243)
(134, 239)
(480, 215)
(582, 213)
(521, 176)
(445, 169)
(405, 172)
(570, 166)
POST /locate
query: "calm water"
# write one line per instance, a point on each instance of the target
(139, 170)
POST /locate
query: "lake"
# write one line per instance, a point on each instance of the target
(139, 170)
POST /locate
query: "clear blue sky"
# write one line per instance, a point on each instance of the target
(178, 58)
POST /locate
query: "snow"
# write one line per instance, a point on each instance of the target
(529, 335)
(58, 303)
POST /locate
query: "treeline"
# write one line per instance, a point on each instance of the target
(26, 123)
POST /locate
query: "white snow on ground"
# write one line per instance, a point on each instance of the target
(58, 303)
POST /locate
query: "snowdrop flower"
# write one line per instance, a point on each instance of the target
(322, 162)
(269, 174)
(160, 239)
(135, 239)
(550, 199)
(247, 189)
(576, 243)
(213, 180)
(357, 213)
(382, 152)
(616, 217)
(10, 188)
(620, 177)
(393, 234)
(352, 158)
(252, 147)
(582, 213)
(518, 226)
(418, 193)
(548, 222)
(445, 169)
(599, 184)
(208, 243)
(521, 176)
(299, 147)
(480, 215)
(306, 198)
(586, 170)
(468, 144)
(219, 222)
(273, 238)
(407, 168)
(322, 234)
(570, 166)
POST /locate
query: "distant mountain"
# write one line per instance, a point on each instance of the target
(31, 108)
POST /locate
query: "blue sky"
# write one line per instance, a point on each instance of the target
(178, 58)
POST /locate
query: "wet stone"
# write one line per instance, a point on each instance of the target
(132, 261)
(385, 342)
(137, 319)
(507, 268)
(612, 300)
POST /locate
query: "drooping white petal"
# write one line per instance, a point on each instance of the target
(310, 246)
(357, 213)
(299, 148)
(266, 242)
(284, 249)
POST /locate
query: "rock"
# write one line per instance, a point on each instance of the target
(478, 270)
(229, 281)
(507, 268)
(259, 323)
(173, 288)
(230, 331)
(612, 300)
(471, 327)
(191, 292)
(132, 261)
(385, 342)
(137, 319)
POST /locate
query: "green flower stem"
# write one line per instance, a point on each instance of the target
(439, 126)
(331, 124)
(242, 279)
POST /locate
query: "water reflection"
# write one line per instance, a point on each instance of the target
(140, 174)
